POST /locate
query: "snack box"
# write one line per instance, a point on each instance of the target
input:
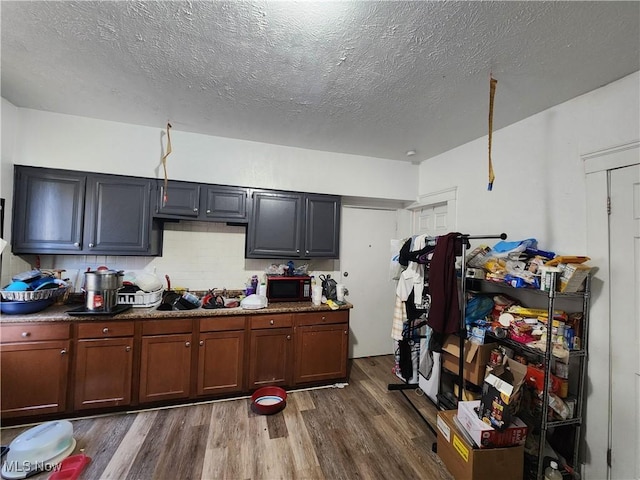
(484, 435)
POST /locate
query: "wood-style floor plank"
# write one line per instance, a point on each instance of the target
(361, 431)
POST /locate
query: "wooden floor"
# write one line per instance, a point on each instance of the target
(360, 431)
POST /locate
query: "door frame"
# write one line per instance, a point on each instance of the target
(448, 196)
(597, 165)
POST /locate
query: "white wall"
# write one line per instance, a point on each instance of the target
(77, 143)
(195, 255)
(540, 192)
(9, 118)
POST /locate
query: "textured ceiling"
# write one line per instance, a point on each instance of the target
(363, 77)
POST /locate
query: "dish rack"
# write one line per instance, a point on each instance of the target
(141, 299)
(33, 295)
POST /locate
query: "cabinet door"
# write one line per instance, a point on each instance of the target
(103, 373)
(322, 226)
(321, 353)
(48, 211)
(34, 378)
(224, 204)
(165, 367)
(118, 215)
(220, 362)
(182, 200)
(270, 357)
(275, 225)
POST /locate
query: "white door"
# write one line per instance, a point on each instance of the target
(364, 263)
(624, 240)
(432, 220)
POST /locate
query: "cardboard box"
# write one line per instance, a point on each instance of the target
(476, 358)
(466, 463)
(572, 277)
(485, 435)
(500, 398)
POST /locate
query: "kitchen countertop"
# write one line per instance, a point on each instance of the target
(58, 313)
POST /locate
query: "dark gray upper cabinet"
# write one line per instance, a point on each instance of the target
(322, 226)
(178, 200)
(118, 213)
(48, 210)
(193, 201)
(69, 212)
(293, 225)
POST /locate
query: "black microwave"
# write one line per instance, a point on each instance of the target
(288, 289)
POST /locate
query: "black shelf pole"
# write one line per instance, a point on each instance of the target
(463, 302)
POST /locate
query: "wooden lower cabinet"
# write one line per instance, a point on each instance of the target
(220, 363)
(103, 364)
(165, 360)
(103, 373)
(50, 368)
(321, 347)
(270, 351)
(35, 369)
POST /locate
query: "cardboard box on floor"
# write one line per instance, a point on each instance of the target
(466, 463)
(485, 435)
(476, 358)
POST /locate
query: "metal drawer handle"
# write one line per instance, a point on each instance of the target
(208, 211)
(270, 322)
(202, 343)
(76, 244)
(127, 349)
(63, 351)
(288, 337)
(345, 332)
(187, 344)
(105, 330)
(324, 318)
(91, 245)
(26, 334)
(195, 210)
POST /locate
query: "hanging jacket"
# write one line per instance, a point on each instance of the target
(444, 314)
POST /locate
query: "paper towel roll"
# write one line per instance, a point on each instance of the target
(316, 294)
(340, 292)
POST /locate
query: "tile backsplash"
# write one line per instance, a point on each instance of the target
(195, 255)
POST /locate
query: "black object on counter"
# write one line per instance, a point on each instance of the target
(84, 311)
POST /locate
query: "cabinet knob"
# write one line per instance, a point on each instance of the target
(105, 330)
(288, 337)
(297, 250)
(127, 349)
(187, 344)
(208, 211)
(201, 343)
(91, 245)
(345, 332)
(306, 252)
(63, 351)
(270, 322)
(324, 318)
(26, 334)
(76, 244)
(195, 210)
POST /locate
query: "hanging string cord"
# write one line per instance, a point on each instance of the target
(165, 197)
(492, 93)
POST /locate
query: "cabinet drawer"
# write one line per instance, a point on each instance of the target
(33, 332)
(322, 318)
(105, 329)
(219, 324)
(271, 321)
(163, 327)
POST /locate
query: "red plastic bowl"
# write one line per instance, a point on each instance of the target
(268, 400)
